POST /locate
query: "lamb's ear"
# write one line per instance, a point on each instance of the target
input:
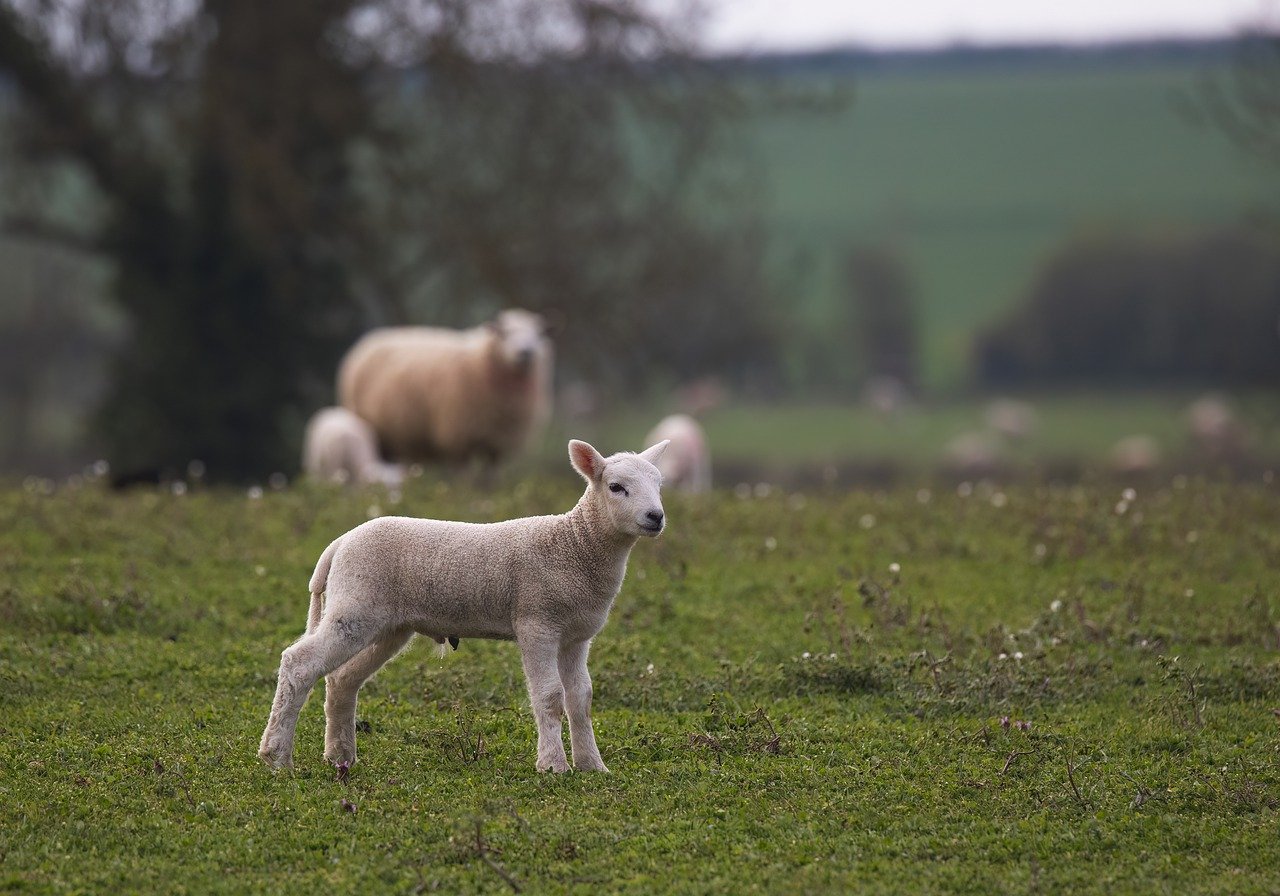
(586, 460)
(653, 452)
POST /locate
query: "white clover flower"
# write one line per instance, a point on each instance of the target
(770, 543)
(867, 521)
(895, 568)
(255, 492)
(1017, 654)
(1129, 494)
(924, 496)
(964, 489)
(999, 499)
(179, 488)
(1055, 605)
(1040, 551)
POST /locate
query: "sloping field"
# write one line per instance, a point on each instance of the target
(978, 168)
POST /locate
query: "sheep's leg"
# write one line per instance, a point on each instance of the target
(341, 688)
(301, 666)
(538, 654)
(577, 704)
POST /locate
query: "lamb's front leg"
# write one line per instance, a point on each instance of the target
(577, 703)
(538, 652)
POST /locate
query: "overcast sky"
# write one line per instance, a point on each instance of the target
(755, 25)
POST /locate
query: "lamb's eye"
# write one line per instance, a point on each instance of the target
(617, 489)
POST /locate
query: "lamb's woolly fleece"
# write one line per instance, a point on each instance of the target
(439, 394)
(547, 582)
(686, 464)
(340, 447)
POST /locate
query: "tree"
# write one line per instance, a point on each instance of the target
(273, 178)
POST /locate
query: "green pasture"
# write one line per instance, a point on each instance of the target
(1072, 435)
(1001, 689)
(977, 174)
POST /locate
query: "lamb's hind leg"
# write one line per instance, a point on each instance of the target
(301, 666)
(341, 688)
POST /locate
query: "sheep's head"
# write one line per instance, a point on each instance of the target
(520, 339)
(627, 487)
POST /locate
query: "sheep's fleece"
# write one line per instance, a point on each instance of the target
(546, 582)
(432, 393)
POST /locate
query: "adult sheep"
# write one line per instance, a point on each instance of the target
(686, 464)
(432, 393)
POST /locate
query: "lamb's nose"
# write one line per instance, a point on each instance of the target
(655, 517)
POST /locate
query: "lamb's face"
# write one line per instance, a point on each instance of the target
(521, 339)
(627, 486)
(631, 488)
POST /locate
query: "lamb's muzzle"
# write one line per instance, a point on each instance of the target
(546, 582)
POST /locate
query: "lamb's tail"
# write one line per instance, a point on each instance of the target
(319, 581)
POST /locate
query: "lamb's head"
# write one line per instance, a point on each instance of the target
(625, 487)
(519, 339)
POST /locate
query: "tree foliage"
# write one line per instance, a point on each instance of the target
(274, 178)
(1200, 310)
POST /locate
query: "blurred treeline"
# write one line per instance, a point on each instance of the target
(263, 182)
(253, 185)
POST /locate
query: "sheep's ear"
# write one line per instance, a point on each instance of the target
(653, 452)
(586, 460)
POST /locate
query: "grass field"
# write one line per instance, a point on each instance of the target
(1073, 435)
(914, 690)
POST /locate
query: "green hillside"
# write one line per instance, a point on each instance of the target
(977, 167)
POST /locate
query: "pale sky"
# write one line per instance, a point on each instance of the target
(761, 25)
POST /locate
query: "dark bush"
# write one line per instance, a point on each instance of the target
(1200, 310)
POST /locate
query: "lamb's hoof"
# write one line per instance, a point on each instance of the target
(596, 766)
(274, 759)
(556, 765)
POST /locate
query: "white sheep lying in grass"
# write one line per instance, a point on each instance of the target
(546, 582)
(438, 394)
(340, 447)
(686, 464)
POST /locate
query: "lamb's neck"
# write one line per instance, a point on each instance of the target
(593, 537)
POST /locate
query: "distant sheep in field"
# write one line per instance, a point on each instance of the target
(971, 454)
(340, 447)
(438, 394)
(1013, 420)
(545, 582)
(886, 395)
(1135, 455)
(686, 464)
(1214, 427)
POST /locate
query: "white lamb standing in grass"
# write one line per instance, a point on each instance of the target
(546, 582)
(340, 447)
(432, 393)
(686, 464)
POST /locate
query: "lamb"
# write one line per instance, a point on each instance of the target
(546, 582)
(439, 394)
(340, 447)
(686, 464)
